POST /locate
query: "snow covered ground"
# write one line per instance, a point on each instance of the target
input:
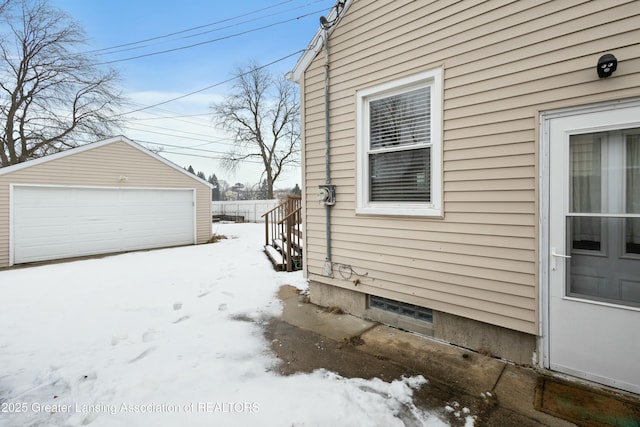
(158, 338)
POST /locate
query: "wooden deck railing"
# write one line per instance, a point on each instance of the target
(283, 230)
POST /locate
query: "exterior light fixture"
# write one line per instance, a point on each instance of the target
(607, 64)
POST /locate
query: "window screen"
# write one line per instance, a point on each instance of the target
(400, 152)
(400, 120)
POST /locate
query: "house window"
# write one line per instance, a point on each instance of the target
(399, 147)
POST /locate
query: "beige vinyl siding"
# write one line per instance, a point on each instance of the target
(102, 167)
(503, 62)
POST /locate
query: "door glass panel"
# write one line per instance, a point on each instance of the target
(632, 226)
(603, 240)
(586, 190)
(604, 276)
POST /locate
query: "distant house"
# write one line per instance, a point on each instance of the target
(231, 195)
(105, 197)
(483, 181)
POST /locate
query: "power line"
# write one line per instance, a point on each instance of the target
(175, 130)
(255, 19)
(154, 106)
(208, 141)
(202, 156)
(206, 41)
(144, 108)
(136, 45)
(210, 86)
(169, 117)
(177, 116)
(189, 29)
(188, 148)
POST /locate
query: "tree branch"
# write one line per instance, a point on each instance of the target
(262, 114)
(52, 95)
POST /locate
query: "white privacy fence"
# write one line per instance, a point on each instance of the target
(248, 210)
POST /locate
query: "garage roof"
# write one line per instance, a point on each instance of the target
(9, 169)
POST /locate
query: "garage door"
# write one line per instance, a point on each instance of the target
(62, 222)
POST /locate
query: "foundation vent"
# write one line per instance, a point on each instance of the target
(401, 308)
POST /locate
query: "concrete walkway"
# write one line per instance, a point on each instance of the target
(495, 392)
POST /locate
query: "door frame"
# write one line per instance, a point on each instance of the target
(544, 119)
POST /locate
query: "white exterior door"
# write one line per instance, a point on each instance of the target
(63, 222)
(593, 251)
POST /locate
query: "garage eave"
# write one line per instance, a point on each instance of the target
(91, 146)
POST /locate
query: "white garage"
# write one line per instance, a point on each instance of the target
(63, 222)
(106, 197)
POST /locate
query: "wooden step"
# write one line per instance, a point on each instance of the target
(296, 254)
(297, 230)
(297, 241)
(277, 259)
(283, 234)
(282, 245)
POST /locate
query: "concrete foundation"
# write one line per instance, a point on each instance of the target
(488, 339)
(492, 340)
(349, 301)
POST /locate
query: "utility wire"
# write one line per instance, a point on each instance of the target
(206, 41)
(175, 130)
(218, 155)
(192, 138)
(144, 108)
(208, 141)
(206, 157)
(161, 113)
(136, 45)
(253, 20)
(189, 148)
(210, 86)
(189, 29)
(170, 117)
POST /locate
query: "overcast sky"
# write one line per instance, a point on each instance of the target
(226, 34)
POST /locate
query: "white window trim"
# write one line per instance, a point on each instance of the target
(431, 78)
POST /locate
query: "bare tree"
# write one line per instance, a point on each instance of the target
(4, 4)
(263, 114)
(51, 95)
